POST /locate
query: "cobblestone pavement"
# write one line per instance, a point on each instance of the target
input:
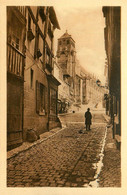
(64, 160)
(110, 176)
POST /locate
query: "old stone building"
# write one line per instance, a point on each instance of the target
(32, 88)
(41, 88)
(94, 93)
(80, 86)
(63, 103)
(112, 33)
(69, 74)
(66, 59)
(87, 90)
(16, 23)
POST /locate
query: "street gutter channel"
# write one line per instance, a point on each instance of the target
(82, 154)
(98, 166)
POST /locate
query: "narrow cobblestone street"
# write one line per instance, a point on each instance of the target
(110, 176)
(62, 118)
(66, 159)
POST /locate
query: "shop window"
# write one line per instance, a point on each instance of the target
(53, 101)
(40, 98)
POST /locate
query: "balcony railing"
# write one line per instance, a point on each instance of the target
(15, 61)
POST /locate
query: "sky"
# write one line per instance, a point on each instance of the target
(86, 26)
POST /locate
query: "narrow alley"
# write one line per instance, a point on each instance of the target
(63, 71)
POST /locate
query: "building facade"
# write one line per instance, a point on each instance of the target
(39, 89)
(63, 103)
(87, 90)
(112, 33)
(81, 85)
(94, 93)
(70, 74)
(15, 74)
(66, 59)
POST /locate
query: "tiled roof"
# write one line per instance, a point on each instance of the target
(65, 35)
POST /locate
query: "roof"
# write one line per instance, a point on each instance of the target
(53, 17)
(66, 35)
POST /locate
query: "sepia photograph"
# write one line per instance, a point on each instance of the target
(63, 96)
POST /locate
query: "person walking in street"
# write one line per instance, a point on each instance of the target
(88, 117)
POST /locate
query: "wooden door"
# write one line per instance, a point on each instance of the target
(14, 112)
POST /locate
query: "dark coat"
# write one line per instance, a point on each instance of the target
(88, 118)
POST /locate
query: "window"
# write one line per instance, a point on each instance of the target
(73, 44)
(53, 101)
(68, 41)
(62, 52)
(50, 31)
(42, 12)
(31, 77)
(60, 43)
(48, 58)
(15, 41)
(40, 98)
(29, 22)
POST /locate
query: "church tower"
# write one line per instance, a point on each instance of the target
(66, 58)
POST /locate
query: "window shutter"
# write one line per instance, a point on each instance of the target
(37, 96)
